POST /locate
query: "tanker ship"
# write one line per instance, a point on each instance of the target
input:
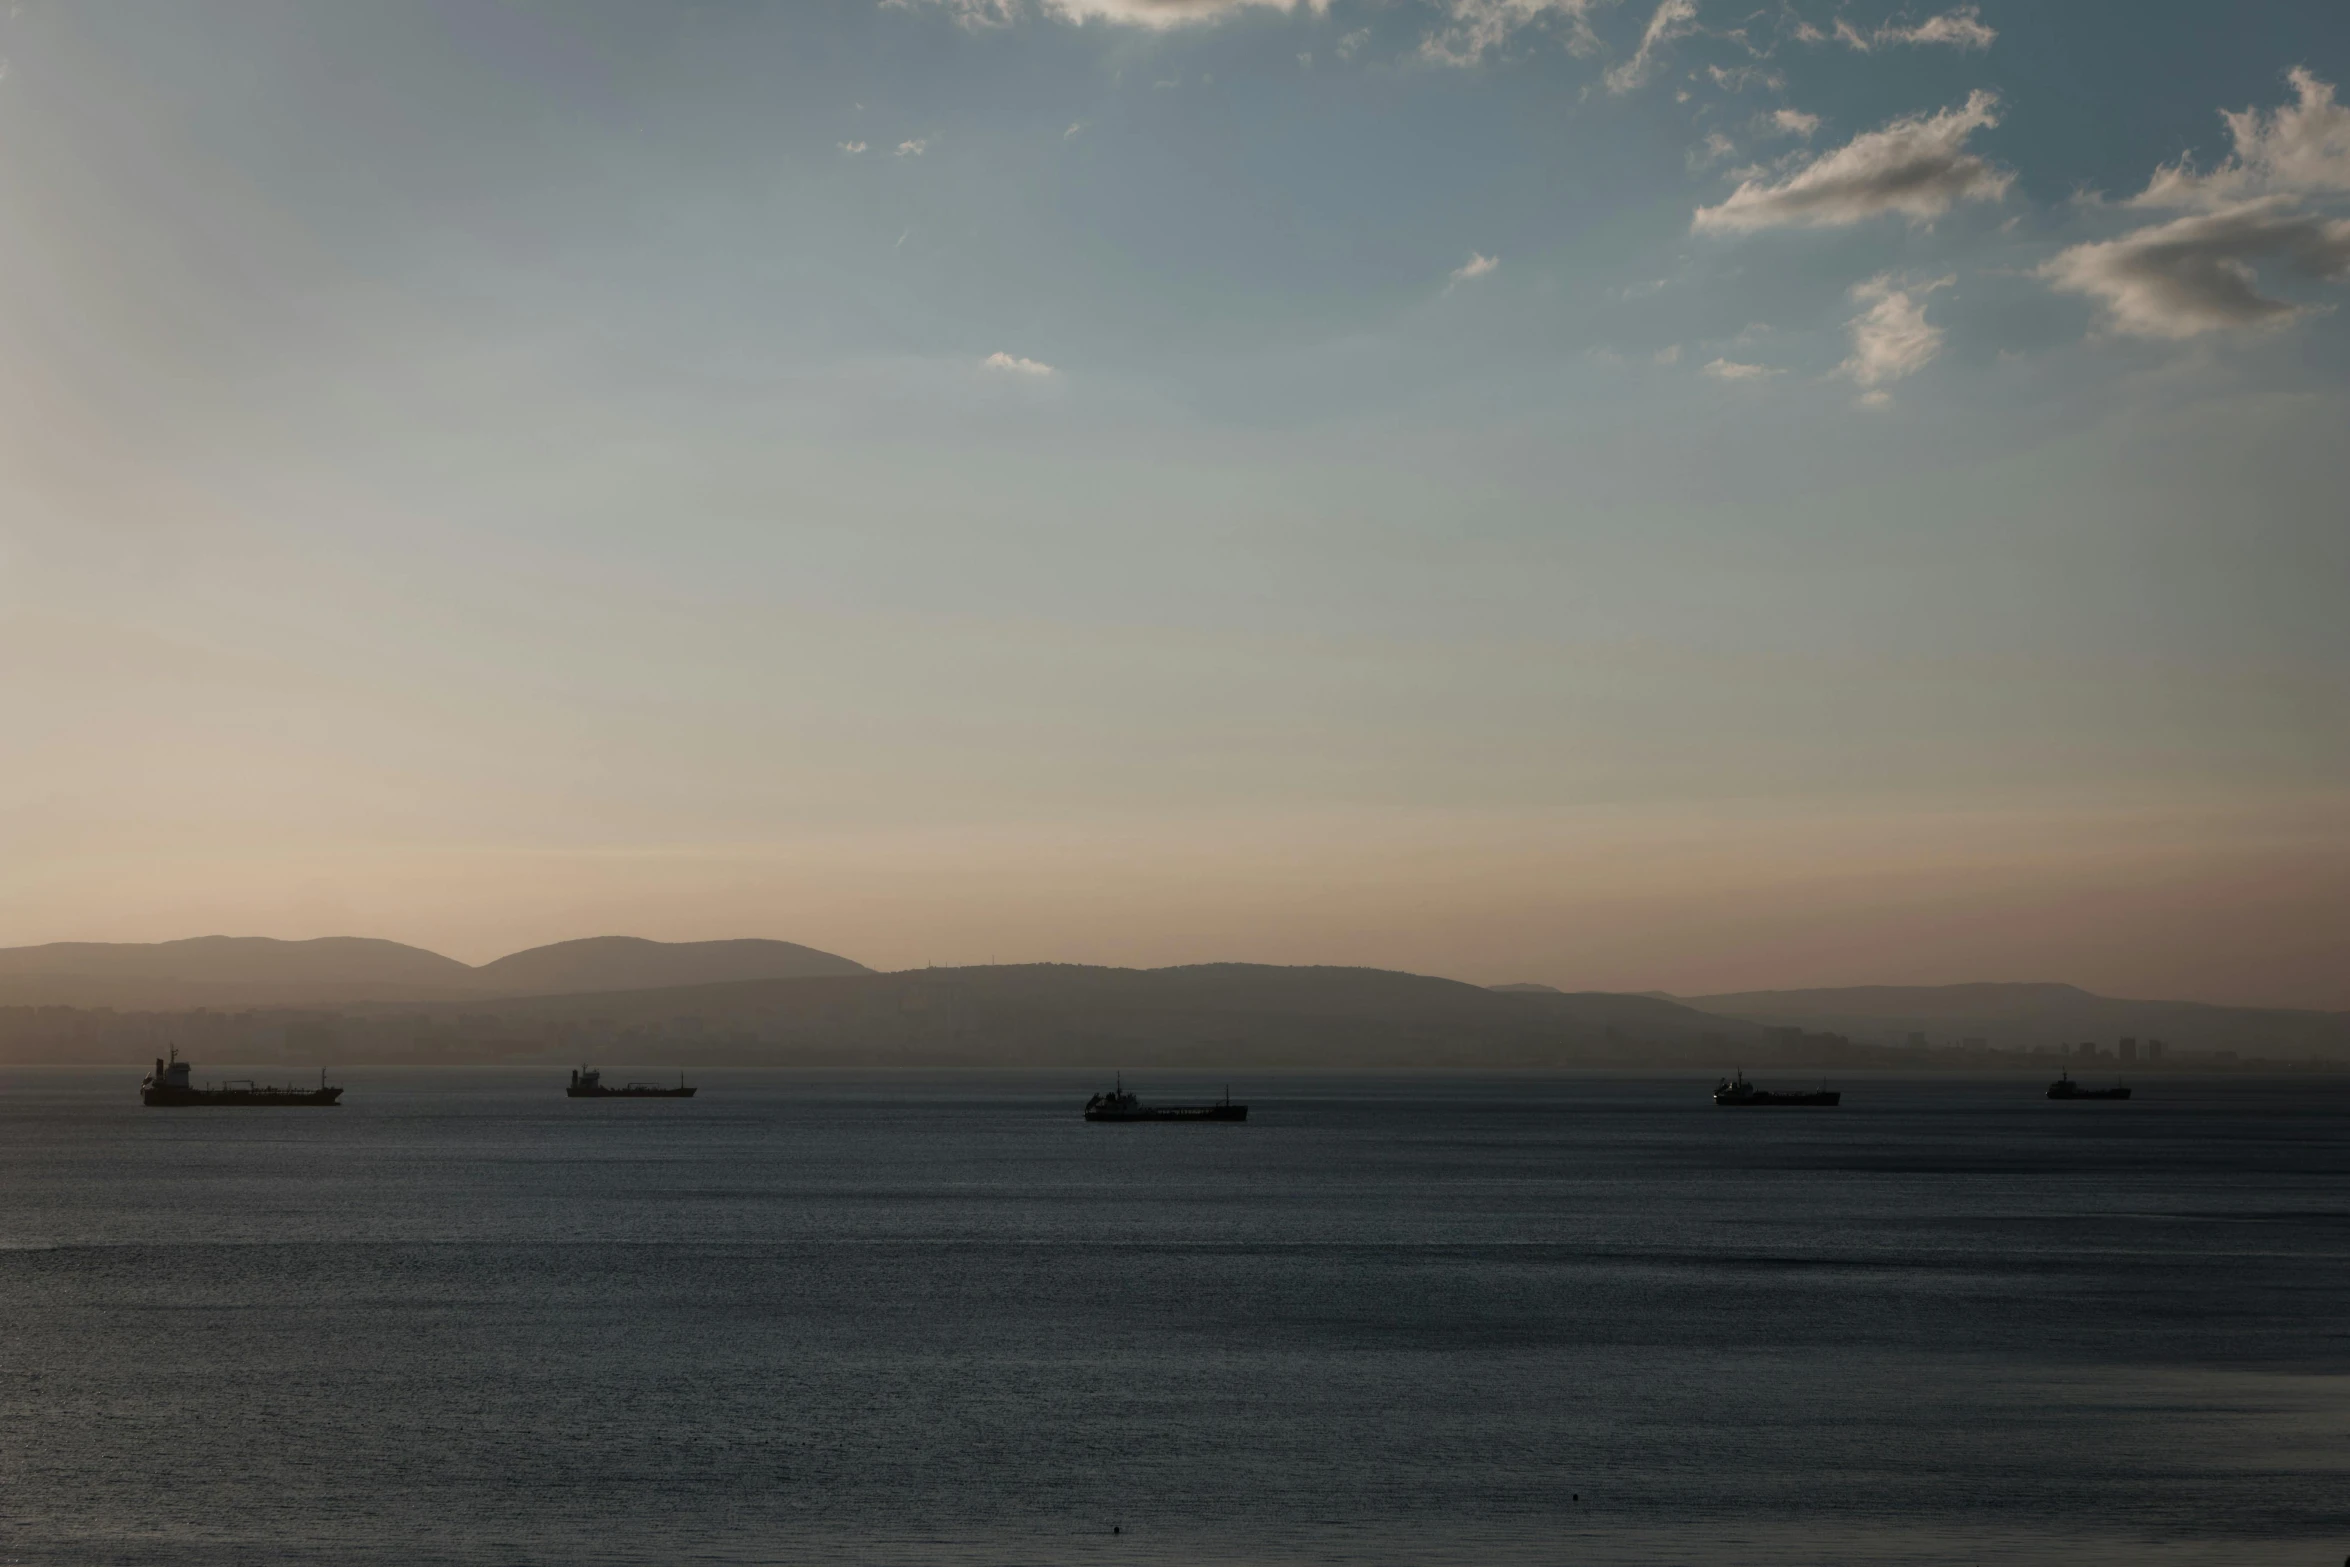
(167, 1087)
(587, 1083)
(1119, 1105)
(1736, 1091)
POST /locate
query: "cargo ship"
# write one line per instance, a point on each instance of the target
(587, 1083)
(1119, 1105)
(167, 1087)
(1735, 1090)
(2065, 1088)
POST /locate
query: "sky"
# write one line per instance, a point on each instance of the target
(1685, 496)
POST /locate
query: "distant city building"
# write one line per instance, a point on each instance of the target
(2087, 1050)
(1972, 1042)
(2129, 1048)
(2153, 1049)
(1917, 1041)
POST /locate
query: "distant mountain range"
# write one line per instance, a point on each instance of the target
(1235, 1015)
(2024, 1016)
(247, 971)
(615, 997)
(1202, 1014)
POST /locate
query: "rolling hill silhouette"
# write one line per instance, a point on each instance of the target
(225, 971)
(2023, 1016)
(633, 963)
(753, 1000)
(1072, 1014)
(247, 971)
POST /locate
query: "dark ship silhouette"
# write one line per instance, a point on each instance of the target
(2065, 1088)
(167, 1087)
(587, 1083)
(1735, 1090)
(1119, 1105)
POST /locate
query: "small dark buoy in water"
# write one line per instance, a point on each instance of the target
(1116, 1529)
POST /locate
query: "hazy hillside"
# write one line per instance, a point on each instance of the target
(237, 958)
(621, 998)
(632, 963)
(250, 971)
(1218, 1012)
(225, 970)
(1224, 1015)
(2023, 1016)
(1900, 1001)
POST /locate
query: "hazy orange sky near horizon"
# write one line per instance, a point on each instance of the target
(2127, 904)
(952, 482)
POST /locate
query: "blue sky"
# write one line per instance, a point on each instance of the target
(1690, 496)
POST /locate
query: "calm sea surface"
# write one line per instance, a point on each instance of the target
(937, 1318)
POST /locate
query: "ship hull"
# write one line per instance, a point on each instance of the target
(629, 1093)
(1764, 1101)
(1173, 1113)
(168, 1098)
(2059, 1091)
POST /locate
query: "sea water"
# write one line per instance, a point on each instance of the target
(939, 1318)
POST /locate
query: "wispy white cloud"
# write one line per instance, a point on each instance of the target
(971, 13)
(2299, 149)
(913, 149)
(1918, 167)
(1476, 28)
(1467, 33)
(1891, 338)
(1013, 364)
(852, 148)
(1131, 13)
(1733, 370)
(2200, 273)
(1475, 267)
(1963, 28)
(1737, 78)
(2196, 274)
(1672, 19)
(1794, 122)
